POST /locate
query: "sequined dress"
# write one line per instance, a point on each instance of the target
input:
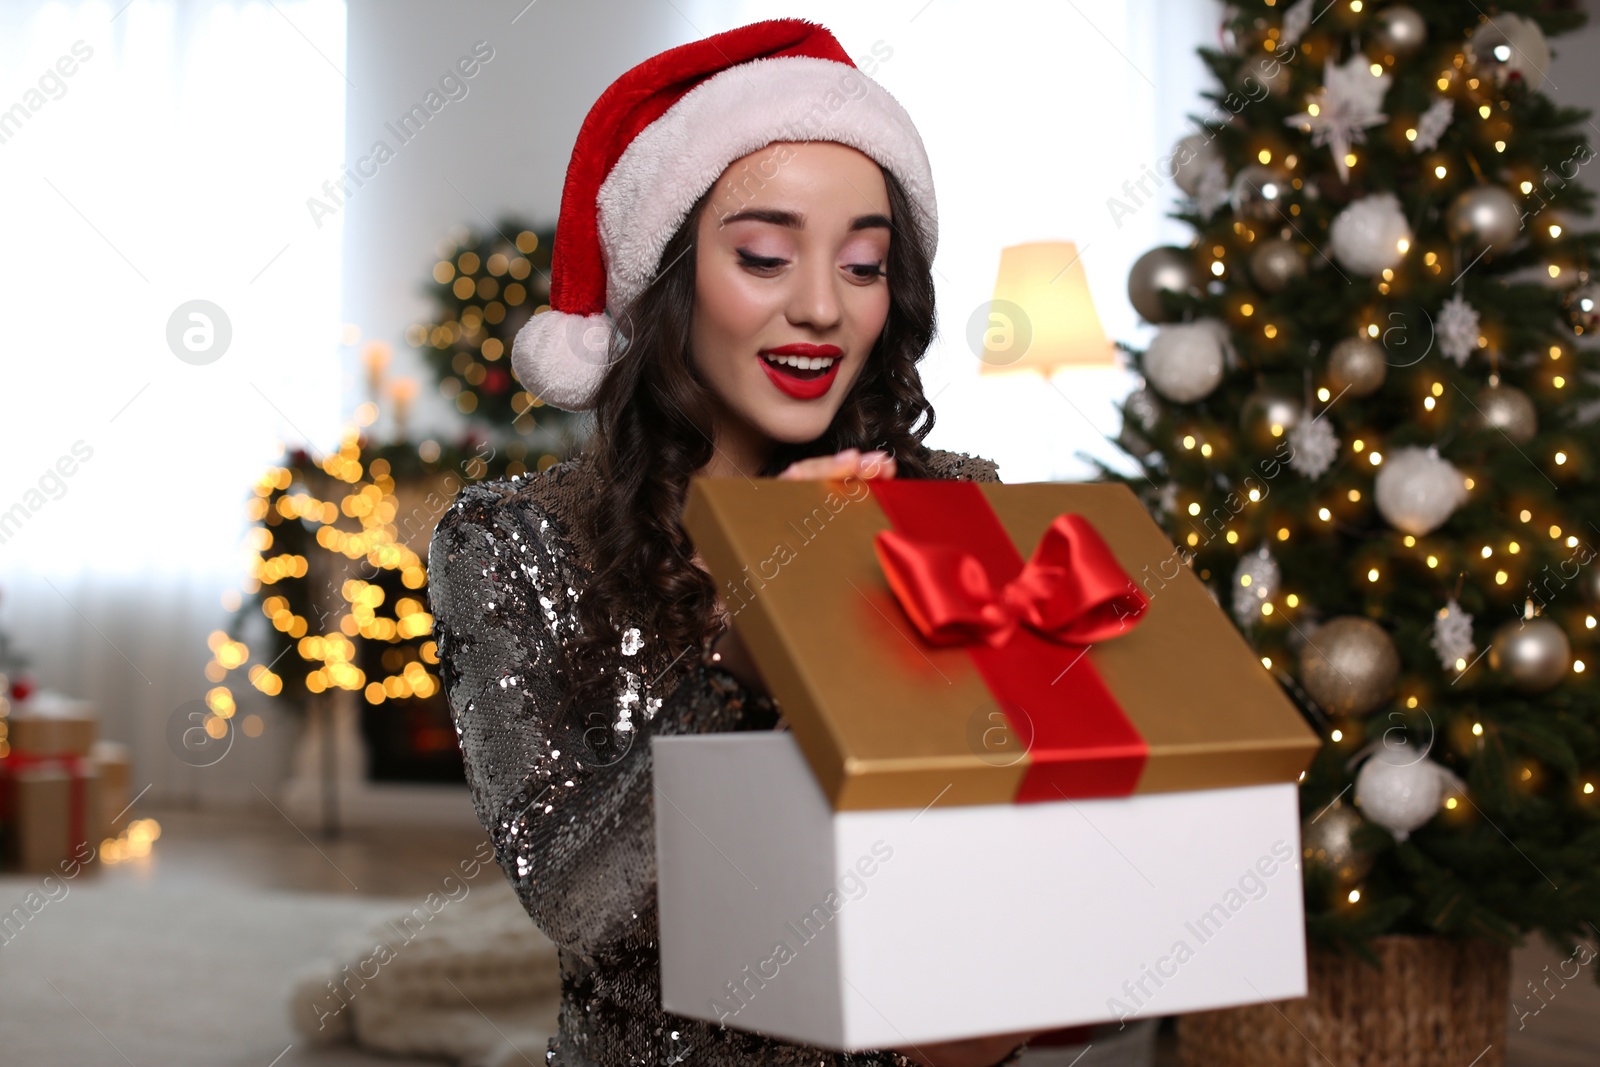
(574, 832)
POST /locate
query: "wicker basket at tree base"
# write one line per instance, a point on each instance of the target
(1437, 1001)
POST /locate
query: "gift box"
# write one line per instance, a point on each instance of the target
(50, 805)
(49, 724)
(50, 799)
(1034, 776)
(115, 765)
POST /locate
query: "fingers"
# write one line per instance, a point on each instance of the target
(852, 461)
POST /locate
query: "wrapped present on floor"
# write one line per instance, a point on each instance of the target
(50, 801)
(49, 723)
(1034, 777)
(116, 766)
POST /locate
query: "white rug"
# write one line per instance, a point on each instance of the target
(167, 977)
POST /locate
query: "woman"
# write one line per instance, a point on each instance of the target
(765, 257)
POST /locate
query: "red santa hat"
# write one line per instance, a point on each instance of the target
(656, 140)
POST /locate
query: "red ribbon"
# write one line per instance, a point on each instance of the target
(77, 771)
(1026, 626)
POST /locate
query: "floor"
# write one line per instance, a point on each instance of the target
(221, 852)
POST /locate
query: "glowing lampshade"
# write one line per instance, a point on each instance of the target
(1042, 317)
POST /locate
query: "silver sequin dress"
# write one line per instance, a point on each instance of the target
(572, 830)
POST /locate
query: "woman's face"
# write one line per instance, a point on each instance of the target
(793, 250)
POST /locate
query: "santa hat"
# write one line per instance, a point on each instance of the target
(656, 140)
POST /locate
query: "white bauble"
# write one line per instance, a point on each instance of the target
(1400, 789)
(1371, 234)
(1510, 48)
(1186, 360)
(1417, 490)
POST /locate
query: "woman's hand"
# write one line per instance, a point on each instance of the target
(843, 465)
(971, 1052)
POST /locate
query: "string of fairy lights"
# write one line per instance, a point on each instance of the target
(335, 564)
(1360, 409)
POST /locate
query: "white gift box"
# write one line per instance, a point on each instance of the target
(872, 929)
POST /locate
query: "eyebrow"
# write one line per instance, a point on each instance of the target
(796, 221)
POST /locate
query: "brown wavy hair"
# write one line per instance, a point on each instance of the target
(653, 429)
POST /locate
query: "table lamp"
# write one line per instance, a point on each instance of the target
(1042, 317)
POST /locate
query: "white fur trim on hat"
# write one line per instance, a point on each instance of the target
(561, 358)
(675, 159)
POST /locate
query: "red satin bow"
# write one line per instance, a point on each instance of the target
(1072, 591)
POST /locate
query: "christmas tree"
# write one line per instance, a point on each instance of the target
(338, 573)
(1366, 424)
(485, 287)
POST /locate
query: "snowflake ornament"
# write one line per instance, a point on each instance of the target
(1433, 123)
(1315, 446)
(1212, 192)
(1351, 100)
(1167, 500)
(1255, 581)
(1296, 21)
(1452, 635)
(1458, 329)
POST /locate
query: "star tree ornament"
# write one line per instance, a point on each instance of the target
(1315, 446)
(1186, 360)
(1417, 490)
(1371, 234)
(1401, 789)
(1457, 329)
(1452, 636)
(1255, 581)
(1434, 121)
(1349, 103)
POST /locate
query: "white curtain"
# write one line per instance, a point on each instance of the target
(154, 153)
(159, 152)
(1034, 113)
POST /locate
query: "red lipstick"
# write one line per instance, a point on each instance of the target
(788, 379)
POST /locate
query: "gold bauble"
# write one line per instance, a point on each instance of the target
(1275, 263)
(1507, 409)
(1158, 271)
(1326, 845)
(1358, 366)
(1267, 415)
(1349, 665)
(1534, 653)
(1398, 29)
